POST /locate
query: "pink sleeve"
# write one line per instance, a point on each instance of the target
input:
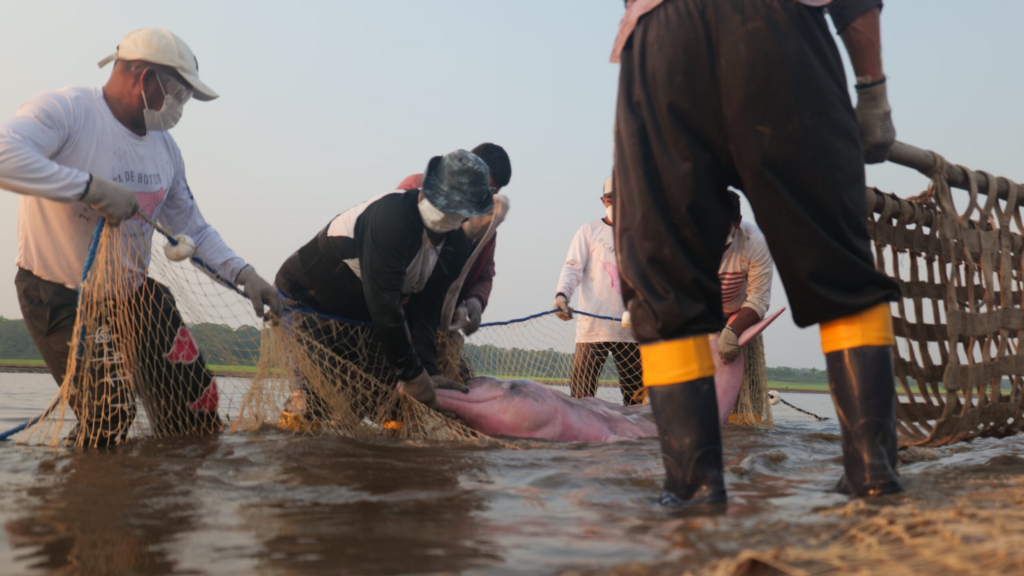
(411, 182)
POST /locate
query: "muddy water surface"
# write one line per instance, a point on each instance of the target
(271, 503)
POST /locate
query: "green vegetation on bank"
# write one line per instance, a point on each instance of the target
(797, 375)
(15, 343)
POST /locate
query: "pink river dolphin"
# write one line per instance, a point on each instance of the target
(526, 409)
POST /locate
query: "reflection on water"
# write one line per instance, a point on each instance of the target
(276, 504)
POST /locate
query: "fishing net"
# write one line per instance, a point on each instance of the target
(166, 348)
(752, 407)
(980, 533)
(157, 349)
(958, 324)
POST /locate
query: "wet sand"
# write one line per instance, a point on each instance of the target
(272, 503)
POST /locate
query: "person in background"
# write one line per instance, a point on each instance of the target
(390, 261)
(590, 266)
(753, 95)
(78, 154)
(746, 278)
(476, 289)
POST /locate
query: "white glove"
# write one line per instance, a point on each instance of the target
(112, 200)
(562, 304)
(875, 118)
(183, 250)
(728, 345)
(627, 322)
(261, 293)
(421, 388)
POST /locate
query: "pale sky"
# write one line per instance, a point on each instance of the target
(324, 104)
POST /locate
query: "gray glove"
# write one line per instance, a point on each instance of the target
(113, 201)
(421, 388)
(728, 345)
(259, 292)
(562, 304)
(474, 313)
(442, 383)
(875, 118)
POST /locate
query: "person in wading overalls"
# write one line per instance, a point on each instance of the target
(590, 266)
(719, 93)
(77, 154)
(388, 261)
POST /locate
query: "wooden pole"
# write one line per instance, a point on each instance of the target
(924, 160)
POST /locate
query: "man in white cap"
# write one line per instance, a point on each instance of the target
(590, 266)
(77, 154)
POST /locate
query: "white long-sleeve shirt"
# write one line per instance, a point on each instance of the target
(591, 266)
(47, 152)
(746, 272)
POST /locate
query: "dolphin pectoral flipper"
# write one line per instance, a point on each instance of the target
(750, 333)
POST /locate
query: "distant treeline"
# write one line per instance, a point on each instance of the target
(15, 343)
(228, 346)
(547, 364)
(220, 344)
(802, 375)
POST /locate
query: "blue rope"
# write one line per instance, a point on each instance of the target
(201, 263)
(80, 350)
(487, 325)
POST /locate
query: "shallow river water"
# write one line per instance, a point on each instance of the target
(272, 503)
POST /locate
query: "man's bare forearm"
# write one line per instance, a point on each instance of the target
(745, 318)
(863, 40)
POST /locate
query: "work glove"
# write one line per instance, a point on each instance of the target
(421, 388)
(627, 321)
(112, 200)
(875, 118)
(257, 290)
(562, 305)
(467, 316)
(728, 345)
(442, 383)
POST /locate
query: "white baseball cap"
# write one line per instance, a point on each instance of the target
(160, 46)
(608, 183)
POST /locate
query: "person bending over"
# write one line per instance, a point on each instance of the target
(390, 261)
(476, 289)
(590, 266)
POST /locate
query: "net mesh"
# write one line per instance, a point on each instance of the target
(178, 350)
(979, 533)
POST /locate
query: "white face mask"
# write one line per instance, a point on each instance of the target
(437, 221)
(175, 97)
(608, 211)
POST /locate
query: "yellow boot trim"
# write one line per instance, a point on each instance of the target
(676, 361)
(872, 327)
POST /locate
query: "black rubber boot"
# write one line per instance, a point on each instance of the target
(864, 391)
(691, 442)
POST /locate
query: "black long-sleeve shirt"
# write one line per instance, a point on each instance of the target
(385, 239)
